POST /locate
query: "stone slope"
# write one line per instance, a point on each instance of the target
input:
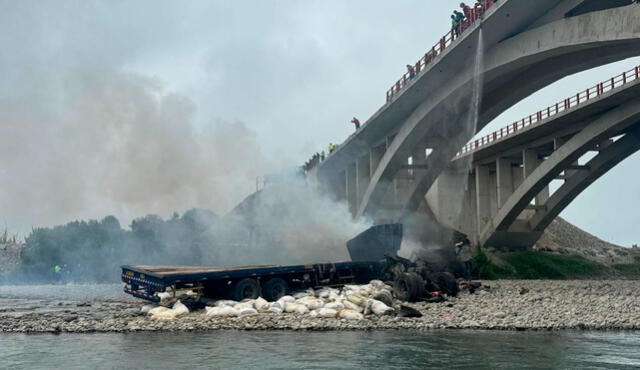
(564, 238)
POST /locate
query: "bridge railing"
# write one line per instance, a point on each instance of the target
(566, 104)
(436, 50)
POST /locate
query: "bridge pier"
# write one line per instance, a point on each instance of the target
(504, 180)
(531, 161)
(351, 179)
(483, 194)
(363, 177)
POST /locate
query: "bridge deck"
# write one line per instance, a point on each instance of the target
(576, 109)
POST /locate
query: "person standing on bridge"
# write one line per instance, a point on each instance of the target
(412, 71)
(331, 148)
(466, 9)
(459, 21)
(356, 123)
(454, 26)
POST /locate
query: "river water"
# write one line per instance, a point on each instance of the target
(292, 350)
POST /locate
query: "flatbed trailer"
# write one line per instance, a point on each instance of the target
(369, 252)
(238, 283)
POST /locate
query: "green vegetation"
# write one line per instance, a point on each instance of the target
(544, 265)
(630, 270)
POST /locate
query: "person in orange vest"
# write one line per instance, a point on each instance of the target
(356, 122)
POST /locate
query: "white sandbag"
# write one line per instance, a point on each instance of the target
(165, 315)
(285, 299)
(299, 295)
(334, 306)
(383, 296)
(312, 303)
(260, 304)
(180, 308)
(326, 293)
(313, 313)
(291, 307)
(157, 310)
(249, 311)
(357, 299)
(366, 290)
(301, 309)
(147, 307)
(164, 296)
(351, 306)
(378, 308)
(223, 311)
(244, 304)
(377, 284)
(350, 315)
(326, 313)
(334, 296)
(225, 302)
(275, 309)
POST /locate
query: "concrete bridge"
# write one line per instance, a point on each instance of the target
(499, 191)
(516, 48)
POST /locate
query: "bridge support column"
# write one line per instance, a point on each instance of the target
(483, 196)
(504, 180)
(351, 187)
(531, 162)
(363, 176)
(375, 156)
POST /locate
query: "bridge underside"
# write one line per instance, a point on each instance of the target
(385, 171)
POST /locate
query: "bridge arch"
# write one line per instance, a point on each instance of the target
(544, 54)
(513, 226)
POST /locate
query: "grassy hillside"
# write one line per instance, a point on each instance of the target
(545, 265)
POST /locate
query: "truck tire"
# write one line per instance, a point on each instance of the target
(408, 287)
(446, 282)
(245, 289)
(275, 289)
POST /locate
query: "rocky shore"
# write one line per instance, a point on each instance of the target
(501, 305)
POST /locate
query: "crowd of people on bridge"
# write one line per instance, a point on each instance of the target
(318, 158)
(460, 21)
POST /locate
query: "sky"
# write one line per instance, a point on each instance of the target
(131, 107)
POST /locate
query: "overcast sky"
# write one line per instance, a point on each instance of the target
(135, 107)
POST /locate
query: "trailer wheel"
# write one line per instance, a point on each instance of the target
(447, 283)
(246, 289)
(408, 287)
(275, 289)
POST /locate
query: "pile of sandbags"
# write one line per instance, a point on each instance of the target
(352, 302)
(164, 313)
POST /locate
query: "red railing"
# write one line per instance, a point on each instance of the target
(437, 49)
(566, 104)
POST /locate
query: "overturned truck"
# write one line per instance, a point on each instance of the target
(373, 256)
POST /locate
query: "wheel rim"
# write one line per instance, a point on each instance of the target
(248, 292)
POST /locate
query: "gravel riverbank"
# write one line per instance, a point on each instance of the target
(502, 305)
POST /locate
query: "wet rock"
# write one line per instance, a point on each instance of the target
(406, 311)
(70, 318)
